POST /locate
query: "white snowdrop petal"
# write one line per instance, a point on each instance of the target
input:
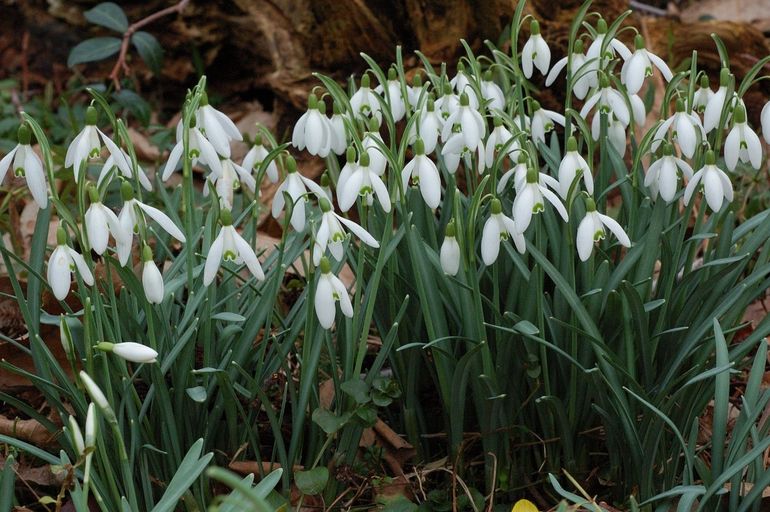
(213, 259)
(325, 307)
(135, 352)
(58, 274)
(152, 282)
(490, 241)
(80, 264)
(585, 237)
(712, 188)
(246, 252)
(616, 229)
(449, 256)
(35, 177)
(555, 70)
(163, 220)
(732, 148)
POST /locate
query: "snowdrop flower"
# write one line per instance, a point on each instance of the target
(347, 171)
(462, 84)
(339, 136)
(313, 130)
(110, 164)
(686, 130)
(591, 229)
(536, 52)
(256, 155)
(449, 254)
(414, 91)
(199, 149)
(716, 184)
(638, 110)
(86, 145)
(497, 140)
(130, 351)
(663, 174)
(328, 291)
(448, 102)
(639, 67)
(85, 446)
(492, 93)
(128, 219)
(216, 126)
(616, 132)
(570, 165)
(63, 262)
(542, 122)
(372, 143)
(364, 182)
(517, 172)
(742, 143)
(428, 126)
(608, 100)
(365, 102)
(230, 180)
(764, 118)
(26, 164)
(100, 222)
(702, 96)
(152, 280)
(713, 112)
(463, 130)
(326, 184)
(96, 394)
(393, 94)
(598, 59)
(583, 83)
(531, 199)
(424, 174)
(499, 227)
(331, 233)
(229, 245)
(297, 187)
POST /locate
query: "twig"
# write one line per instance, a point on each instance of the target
(121, 62)
(651, 9)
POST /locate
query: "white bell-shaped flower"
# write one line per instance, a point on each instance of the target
(313, 130)
(363, 182)
(492, 93)
(216, 126)
(152, 279)
(88, 144)
(742, 143)
(530, 200)
(110, 164)
(100, 223)
(461, 83)
(415, 91)
(463, 130)
(256, 155)
(424, 174)
(449, 102)
(130, 351)
(608, 100)
(62, 263)
(347, 171)
(598, 59)
(716, 184)
(499, 227)
(686, 130)
(639, 67)
(702, 96)
(497, 141)
(296, 186)
(373, 144)
(764, 118)
(338, 133)
(663, 175)
(536, 52)
(616, 132)
(230, 180)
(449, 254)
(229, 245)
(332, 232)
(591, 230)
(542, 121)
(572, 164)
(199, 150)
(580, 86)
(716, 104)
(365, 102)
(393, 96)
(428, 126)
(26, 164)
(328, 292)
(84, 447)
(518, 172)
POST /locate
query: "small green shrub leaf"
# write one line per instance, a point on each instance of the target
(94, 49)
(149, 50)
(108, 14)
(313, 481)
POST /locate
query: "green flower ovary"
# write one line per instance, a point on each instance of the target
(538, 207)
(19, 172)
(599, 235)
(229, 256)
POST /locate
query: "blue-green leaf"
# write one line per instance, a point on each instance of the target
(149, 50)
(108, 14)
(90, 50)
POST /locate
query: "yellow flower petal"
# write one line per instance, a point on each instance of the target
(524, 506)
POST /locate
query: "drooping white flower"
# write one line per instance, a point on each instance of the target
(518, 172)
(199, 149)
(216, 126)
(129, 217)
(328, 292)
(229, 245)
(716, 104)
(449, 254)
(497, 141)
(26, 164)
(347, 171)
(313, 130)
(332, 232)
(530, 200)
(130, 351)
(463, 130)
(339, 136)
(428, 126)
(424, 174)
(742, 143)
(448, 102)
(364, 182)
(616, 132)
(492, 93)
(591, 230)
(231, 178)
(535, 52)
(256, 155)
(764, 118)
(110, 164)
(415, 91)
(583, 83)
(152, 279)
(608, 100)
(373, 144)
(96, 394)
(663, 175)
(365, 103)
(393, 96)
(297, 187)
(572, 164)
(716, 184)
(87, 145)
(62, 263)
(597, 57)
(499, 227)
(702, 96)
(542, 122)
(640, 65)
(100, 223)
(461, 83)
(686, 130)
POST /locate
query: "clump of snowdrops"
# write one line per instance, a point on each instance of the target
(541, 275)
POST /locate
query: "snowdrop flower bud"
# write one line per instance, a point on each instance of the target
(393, 94)
(100, 222)
(86, 145)
(297, 187)
(364, 102)
(583, 83)
(429, 125)
(26, 164)
(229, 245)
(591, 229)
(152, 280)
(742, 143)
(702, 96)
(662, 176)
(463, 130)
(328, 291)
(77, 435)
(542, 121)
(97, 396)
(499, 227)
(65, 336)
(535, 52)
(716, 184)
(639, 67)
(63, 262)
(199, 149)
(90, 441)
(424, 174)
(492, 93)
(130, 351)
(364, 182)
(331, 233)
(570, 165)
(449, 255)
(687, 131)
(531, 199)
(312, 130)
(256, 155)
